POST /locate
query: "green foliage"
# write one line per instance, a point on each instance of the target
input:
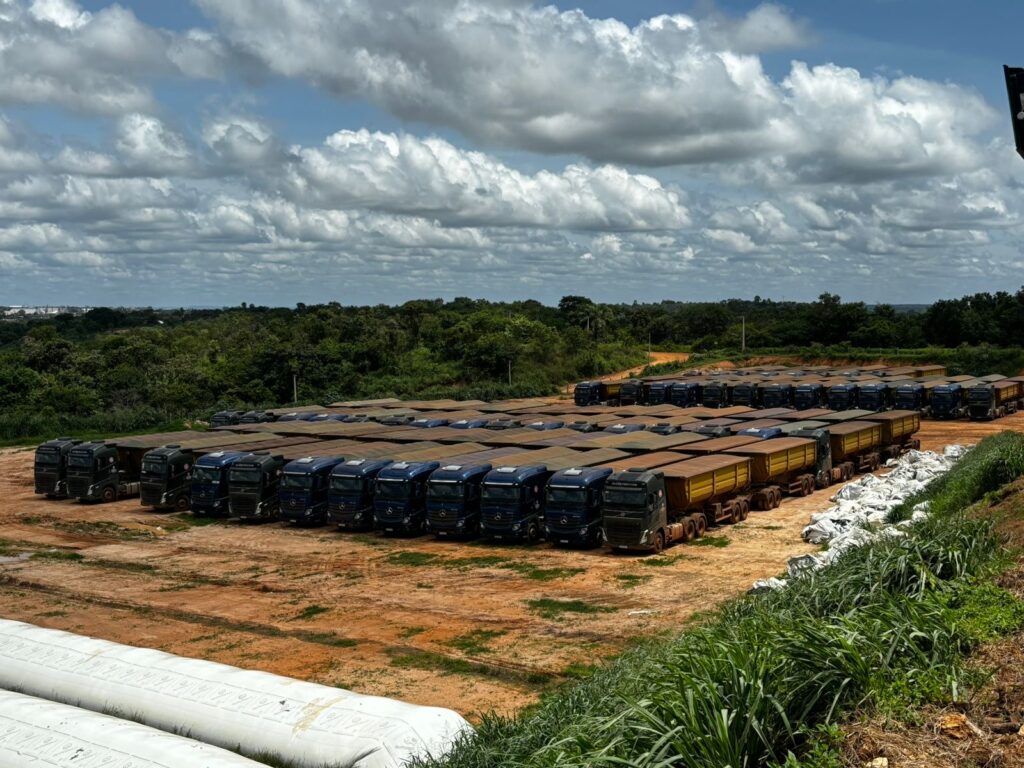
(550, 608)
(763, 680)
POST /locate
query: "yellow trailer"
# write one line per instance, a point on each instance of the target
(785, 464)
(898, 428)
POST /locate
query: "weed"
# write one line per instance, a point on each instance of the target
(536, 573)
(408, 632)
(58, 554)
(53, 614)
(475, 643)
(423, 585)
(549, 608)
(631, 580)
(664, 560)
(711, 541)
(407, 557)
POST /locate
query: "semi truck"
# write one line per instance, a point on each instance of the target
(715, 394)
(898, 430)
(631, 392)
(747, 393)
(777, 395)
(660, 392)
(685, 394)
(572, 506)
(648, 509)
(807, 396)
(99, 471)
(255, 417)
(843, 397)
(469, 424)
(512, 503)
(597, 392)
(166, 478)
(453, 500)
(991, 400)
(350, 498)
(852, 447)
(400, 497)
(874, 396)
(50, 468)
(949, 401)
(254, 483)
(305, 485)
(209, 482)
(780, 466)
(226, 418)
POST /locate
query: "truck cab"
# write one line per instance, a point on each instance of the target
(255, 417)
(305, 484)
(982, 403)
(293, 417)
(226, 418)
(632, 392)
(315, 417)
(350, 499)
(635, 509)
(584, 427)
(715, 394)
(663, 428)
(357, 418)
(512, 503)
(747, 393)
(400, 497)
(51, 467)
(625, 429)
(166, 482)
(397, 420)
(659, 392)
(101, 472)
(453, 499)
(776, 395)
(254, 483)
(948, 401)
(807, 396)
(824, 473)
(587, 393)
(843, 397)
(544, 426)
(685, 394)
(469, 424)
(496, 424)
(572, 507)
(910, 397)
(873, 397)
(210, 482)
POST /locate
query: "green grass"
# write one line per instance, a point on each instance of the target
(711, 541)
(309, 612)
(758, 681)
(549, 608)
(409, 632)
(406, 557)
(662, 561)
(536, 573)
(475, 643)
(631, 580)
(423, 585)
(58, 554)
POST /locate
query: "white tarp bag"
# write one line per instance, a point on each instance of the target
(35, 733)
(306, 723)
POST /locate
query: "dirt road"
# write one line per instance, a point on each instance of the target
(469, 626)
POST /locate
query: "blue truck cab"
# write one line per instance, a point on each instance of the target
(949, 401)
(255, 417)
(324, 417)
(210, 482)
(291, 417)
(582, 426)
(873, 397)
(663, 428)
(763, 433)
(715, 394)
(910, 397)
(843, 397)
(469, 424)
(400, 497)
(428, 423)
(350, 498)
(225, 418)
(544, 426)
(587, 393)
(453, 499)
(305, 484)
(777, 395)
(685, 394)
(254, 482)
(572, 506)
(808, 396)
(747, 393)
(512, 503)
(357, 418)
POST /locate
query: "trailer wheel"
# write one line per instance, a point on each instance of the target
(109, 494)
(182, 504)
(689, 531)
(699, 526)
(659, 542)
(777, 500)
(744, 509)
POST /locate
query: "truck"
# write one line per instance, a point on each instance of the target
(226, 418)
(209, 482)
(777, 395)
(305, 485)
(166, 478)
(631, 392)
(898, 430)
(874, 396)
(572, 506)
(428, 423)
(254, 483)
(453, 500)
(400, 497)
(512, 503)
(747, 393)
(350, 498)
(855, 446)
(949, 401)
(843, 397)
(715, 394)
(544, 426)
(469, 424)
(660, 392)
(783, 465)
(50, 468)
(990, 400)
(647, 509)
(596, 392)
(911, 397)
(685, 394)
(255, 417)
(807, 396)
(99, 471)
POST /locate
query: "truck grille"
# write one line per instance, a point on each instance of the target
(78, 486)
(151, 493)
(497, 519)
(46, 482)
(621, 531)
(442, 518)
(243, 505)
(293, 505)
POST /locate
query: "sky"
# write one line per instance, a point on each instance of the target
(212, 152)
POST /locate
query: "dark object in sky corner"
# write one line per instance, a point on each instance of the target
(1015, 90)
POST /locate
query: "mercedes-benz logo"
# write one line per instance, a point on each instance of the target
(441, 513)
(564, 520)
(497, 516)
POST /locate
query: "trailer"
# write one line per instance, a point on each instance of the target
(992, 400)
(784, 465)
(898, 430)
(856, 446)
(647, 510)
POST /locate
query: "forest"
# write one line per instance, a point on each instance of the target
(114, 370)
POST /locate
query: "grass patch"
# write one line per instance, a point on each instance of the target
(409, 632)
(407, 557)
(711, 541)
(536, 573)
(662, 561)
(192, 520)
(549, 608)
(631, 580)
(475, 643)
(103, 528)
(439, 662)
(58, 554)
(309, 612)
(423, 585)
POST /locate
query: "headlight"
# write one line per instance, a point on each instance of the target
(515, 526)
(643, 539)
(583, 529)
(407, 519)
(359, 516)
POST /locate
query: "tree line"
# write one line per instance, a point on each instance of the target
(122, 369)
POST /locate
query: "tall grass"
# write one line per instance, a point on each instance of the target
(884, 624)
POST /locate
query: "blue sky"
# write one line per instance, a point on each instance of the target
(279, 151)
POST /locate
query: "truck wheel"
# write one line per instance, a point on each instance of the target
(532, 533)
(659, 542)
(701, 523)
(182, 504)
(109, 494)
(689, 531)
(734, 513)
(744, 509)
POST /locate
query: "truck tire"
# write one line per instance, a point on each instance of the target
(182, 504)
(699, 526)
(689, 530)
(659, 542)
(532, 533)
(744, 509)
(109, 494)
(777, 498)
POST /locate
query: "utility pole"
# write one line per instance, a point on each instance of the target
(743, 321)
(295, 388)
(510, 371)
(648, 346)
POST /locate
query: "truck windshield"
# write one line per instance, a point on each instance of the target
(153, 467)
(347, 484)
(47, 457)
(393, 490)
(296, 482)
(501, 493)
(567, 496)
(445, 491)
(625, 497)
(83, 461)
(206, 475)
(979, 395)
(242, 476)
